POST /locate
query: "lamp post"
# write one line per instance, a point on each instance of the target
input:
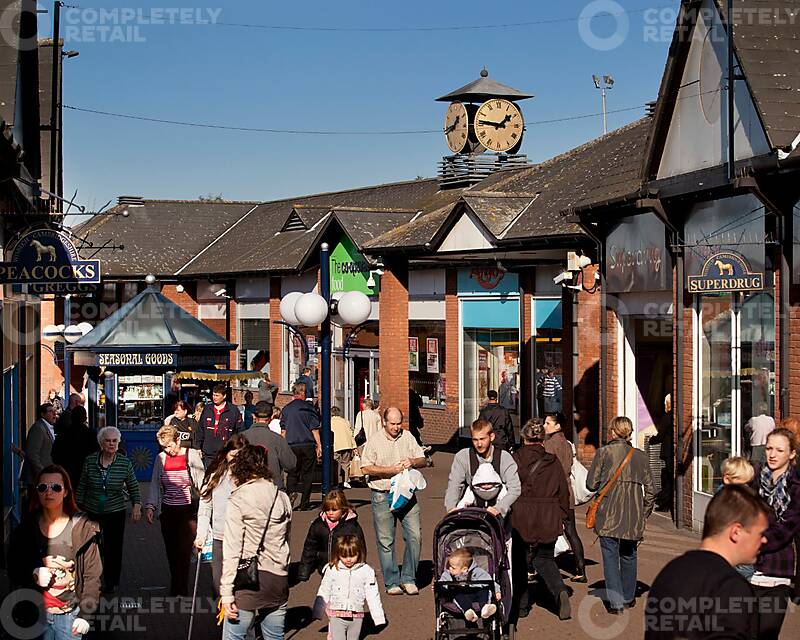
(311, 310)
(604, 84)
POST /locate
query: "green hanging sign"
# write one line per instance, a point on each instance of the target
(350, 271)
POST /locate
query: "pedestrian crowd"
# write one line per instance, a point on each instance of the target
(226, 483)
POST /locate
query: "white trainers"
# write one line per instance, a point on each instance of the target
(470, 615)
(394, 591)
(488, 610)
(346, 485)
(410, 588)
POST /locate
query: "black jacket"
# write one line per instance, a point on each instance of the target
(187, 431)
(501, 421)
(71, 446)
(211, 440)
(319, 542)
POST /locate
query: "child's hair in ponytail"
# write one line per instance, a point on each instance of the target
(347, 547)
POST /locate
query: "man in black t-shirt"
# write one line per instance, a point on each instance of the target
(700, 595)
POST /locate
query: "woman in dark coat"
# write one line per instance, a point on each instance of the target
(74, 441)
(778, 482)
(337, 519)
(537, 518)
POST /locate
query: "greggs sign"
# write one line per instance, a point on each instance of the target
(46, 256)
(726, 271)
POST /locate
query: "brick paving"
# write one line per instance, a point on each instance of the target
(143, 611)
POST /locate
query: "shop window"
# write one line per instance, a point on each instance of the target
(491, 361)
(426, 363)
(548, 354)
(254, 344)
(293, 357)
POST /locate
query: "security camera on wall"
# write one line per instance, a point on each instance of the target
(562, 278)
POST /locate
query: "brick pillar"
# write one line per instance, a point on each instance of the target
(52, 375)
(393, 341)
(275, 332)
(586, 421)
(685, 456)
(232, 330)
(184, 300)
(452, 355)
(526, 337)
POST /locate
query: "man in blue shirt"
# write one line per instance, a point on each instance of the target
(300, 426)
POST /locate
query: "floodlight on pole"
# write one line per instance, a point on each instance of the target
(606, 84)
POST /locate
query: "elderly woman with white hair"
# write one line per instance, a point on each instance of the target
(106, 476)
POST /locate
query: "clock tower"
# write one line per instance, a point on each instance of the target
(483, 127)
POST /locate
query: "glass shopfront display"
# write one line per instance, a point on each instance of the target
(426, 365)
(736, 376)
(548, 337)
(140, 401)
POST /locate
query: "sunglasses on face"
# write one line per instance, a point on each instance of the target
(54, 486)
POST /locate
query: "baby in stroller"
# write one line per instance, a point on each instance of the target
(462, 568)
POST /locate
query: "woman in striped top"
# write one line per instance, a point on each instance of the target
(101, 493)
(177, 474)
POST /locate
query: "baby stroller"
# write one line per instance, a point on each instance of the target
(482, 534)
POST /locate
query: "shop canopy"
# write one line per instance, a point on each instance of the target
(151, 331)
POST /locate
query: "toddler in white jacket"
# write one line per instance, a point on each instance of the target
(347, 583)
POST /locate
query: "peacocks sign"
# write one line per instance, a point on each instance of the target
(47, 257)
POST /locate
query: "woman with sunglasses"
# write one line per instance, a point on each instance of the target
(101, 493)
(55, 551)
(177, 476)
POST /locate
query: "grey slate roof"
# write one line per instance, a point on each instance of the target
(159, 237)
(769, 52)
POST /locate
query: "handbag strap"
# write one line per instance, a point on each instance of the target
(531, 470)
(614, 478)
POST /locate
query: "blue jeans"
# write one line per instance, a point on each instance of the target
(59, 626)
(619, 570)
(271, 624)
(385, 522)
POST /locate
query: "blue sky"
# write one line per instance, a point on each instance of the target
(328, 80)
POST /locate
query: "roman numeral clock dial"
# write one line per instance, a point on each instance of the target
(456, 127)
(499, 125)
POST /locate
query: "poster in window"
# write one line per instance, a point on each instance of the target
(413, 354)
(432, 349)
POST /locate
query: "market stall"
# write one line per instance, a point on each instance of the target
(132, 357)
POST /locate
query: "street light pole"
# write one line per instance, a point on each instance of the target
(325, 369)
(67, 354)
(604, 83)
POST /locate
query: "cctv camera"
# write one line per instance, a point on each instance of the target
(220, 293)
(562, 278)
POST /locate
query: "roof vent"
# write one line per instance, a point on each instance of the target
(294, 223)
(131, 201)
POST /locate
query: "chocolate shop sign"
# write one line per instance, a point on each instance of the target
(725, 271)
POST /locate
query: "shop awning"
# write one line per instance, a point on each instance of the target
(218, 375)
(151, 331)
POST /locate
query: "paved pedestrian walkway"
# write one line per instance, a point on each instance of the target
(144, 611)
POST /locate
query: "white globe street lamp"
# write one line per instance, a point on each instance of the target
(287, 307)
(311, 309)
(353, 308)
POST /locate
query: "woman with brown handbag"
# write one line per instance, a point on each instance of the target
(620, 510)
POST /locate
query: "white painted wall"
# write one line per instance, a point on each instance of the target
(466, 236)
(697, 136)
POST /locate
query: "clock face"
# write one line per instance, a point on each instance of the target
(456, 127)
(499, 125)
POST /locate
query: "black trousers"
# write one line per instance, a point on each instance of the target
(300, 479)
(773, 603)
(178, 528)
(543, 559)
(571, 534)
(112, 527)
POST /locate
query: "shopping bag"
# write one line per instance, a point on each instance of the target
(403, 486)
(355, 467)
(562, 546)
(207, 551)
(577, 476)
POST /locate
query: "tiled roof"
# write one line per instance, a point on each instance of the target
(766, 36)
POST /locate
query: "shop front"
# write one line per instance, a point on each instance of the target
(489, 311)
(132, 358)
(730, 277)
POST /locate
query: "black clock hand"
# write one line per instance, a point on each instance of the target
(496, 125)
(452, 126)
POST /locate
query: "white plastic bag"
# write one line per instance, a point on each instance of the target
(403, 487)
(577, 476)
(562, 546)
